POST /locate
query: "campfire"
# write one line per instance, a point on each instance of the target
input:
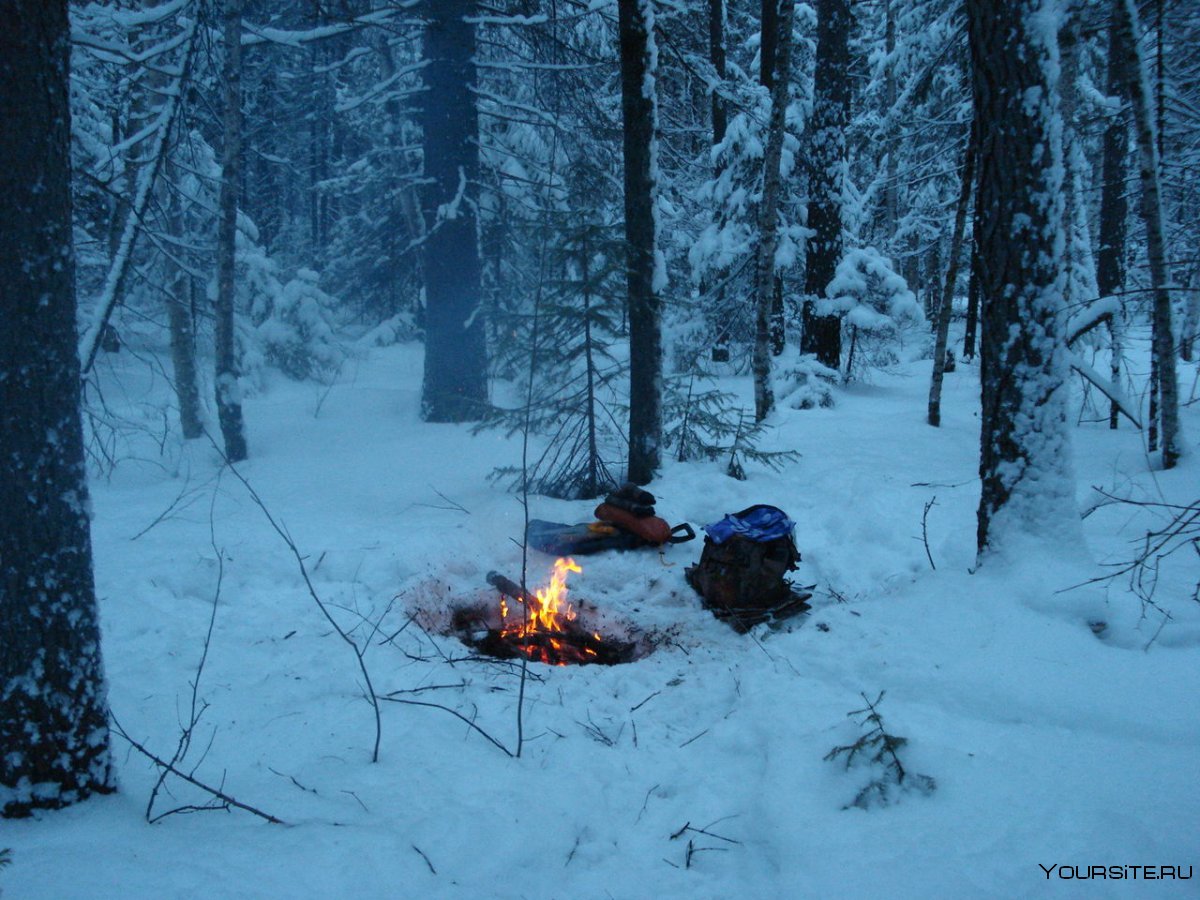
(543, 626)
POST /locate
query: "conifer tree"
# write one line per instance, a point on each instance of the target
(455, 385)
(1025, 460)
(823, 331)
(54, 747)
(645, 268)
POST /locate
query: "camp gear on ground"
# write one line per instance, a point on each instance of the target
(651, 529)
(627, 521)
(742, 568)
(560, 539)
(758, 523)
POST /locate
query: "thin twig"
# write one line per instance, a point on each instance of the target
(359, 652)
(925, 529)
(456, 714)
(215, 792)
(424, 857)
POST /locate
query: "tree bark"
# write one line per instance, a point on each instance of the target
(229, 395)
(455, 385)
(1164, 352)
(891, 187)
(638, 109)
(716, 55)
(1114, 209)
(1191, 320)
(53, 706)
(947, 304)
(1027, 482)
(720, 124)
(772, 34)
(823, 333)
(766, 279)
(182, 329)
(972, 326)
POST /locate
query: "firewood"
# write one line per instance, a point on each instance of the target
(509, 588)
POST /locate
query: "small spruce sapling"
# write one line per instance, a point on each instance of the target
(804, 383)
(708, 424)
(878, 747)
(574, 399)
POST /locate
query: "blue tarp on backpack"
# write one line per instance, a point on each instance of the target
(758, 523)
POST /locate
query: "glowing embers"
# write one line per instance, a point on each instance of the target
(544, 626)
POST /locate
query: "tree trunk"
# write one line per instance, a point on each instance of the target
(823, 333)
(1068, 49)
(947, 304)
(1025, 469)
(1164, 352)
(773, 33)
(455, 386)
(716, 55)
(891, 187)
(182, 327)
(53, 705)
(1191, 319)
(720, 123)
(639, 113)
(229, 395)
(1114, 209)
(969, 339)
(766, 280)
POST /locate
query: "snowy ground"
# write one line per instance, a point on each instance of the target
(1049, 744)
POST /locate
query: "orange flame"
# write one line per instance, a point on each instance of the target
(548, 610)
(545, 618)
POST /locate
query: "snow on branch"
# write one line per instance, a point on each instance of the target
(119, 270)
(870, 292)
(1112, 391)
(298, 38)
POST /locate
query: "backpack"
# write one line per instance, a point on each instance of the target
(742, 568)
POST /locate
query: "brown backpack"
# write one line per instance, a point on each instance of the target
(743, 580)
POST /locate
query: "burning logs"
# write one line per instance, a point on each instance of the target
(509, 588)
(545, 629)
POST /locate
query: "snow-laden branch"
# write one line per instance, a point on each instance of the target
(380, 91)
(1110, 390)
(119, 270)
(298, 38)
(120, 53)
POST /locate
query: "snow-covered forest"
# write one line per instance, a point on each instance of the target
(366, 365)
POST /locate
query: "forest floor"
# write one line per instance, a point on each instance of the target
(698, 771)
